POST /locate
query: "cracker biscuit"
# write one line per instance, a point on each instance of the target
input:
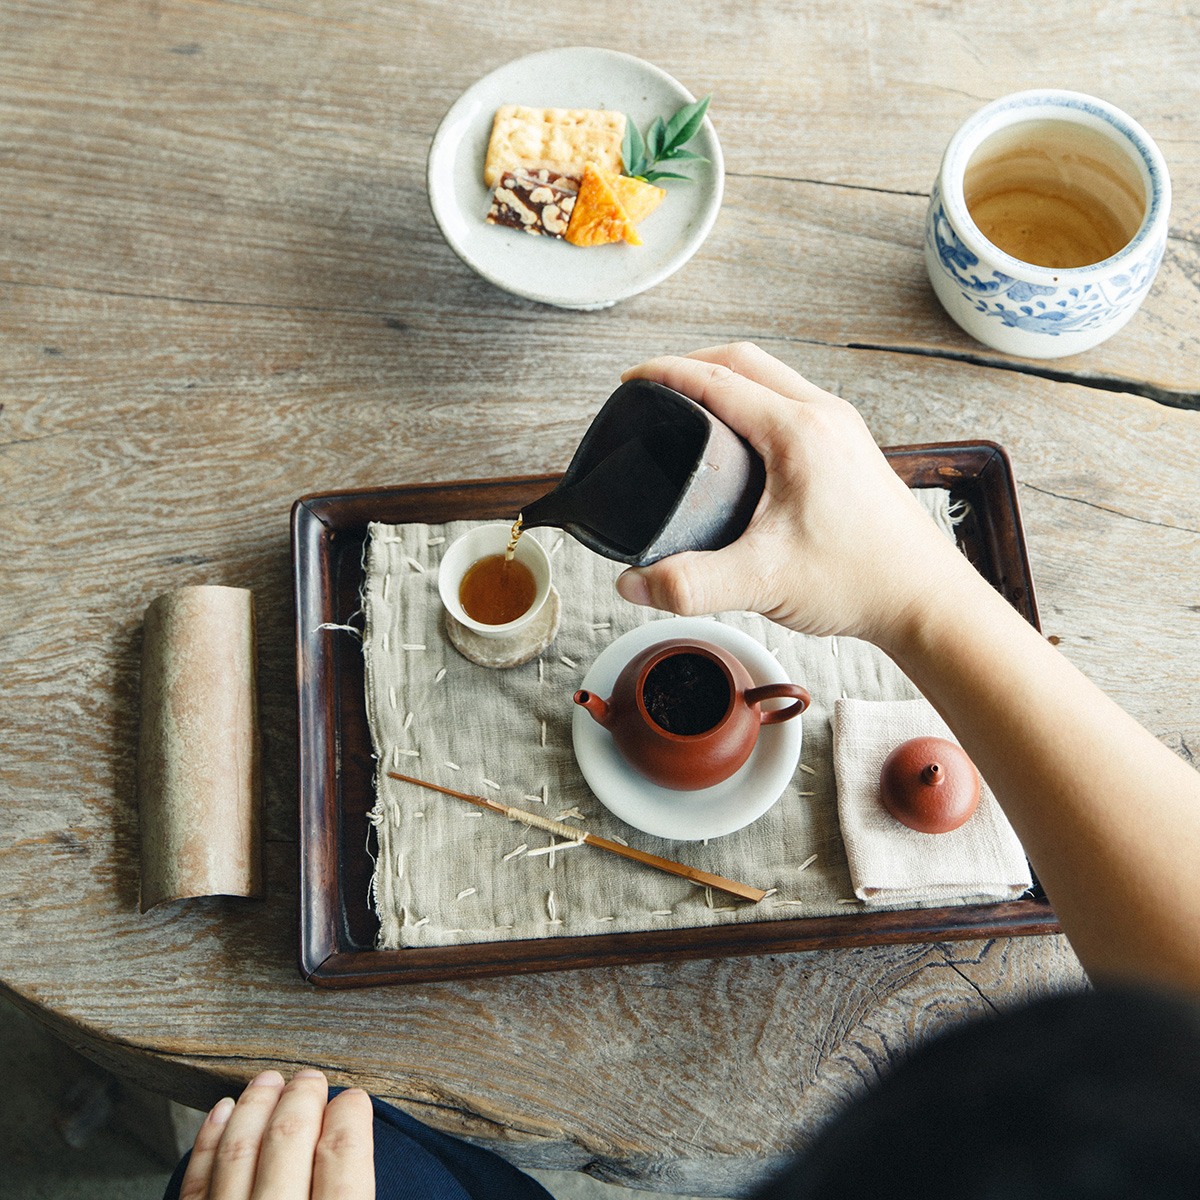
(554, 139)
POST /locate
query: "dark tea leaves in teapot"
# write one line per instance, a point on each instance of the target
(686, 694)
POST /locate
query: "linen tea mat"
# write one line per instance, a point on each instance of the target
(449, 872)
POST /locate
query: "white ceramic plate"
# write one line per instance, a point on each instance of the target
(685, 816)
(548, 269)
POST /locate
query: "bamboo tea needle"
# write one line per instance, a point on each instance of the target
(742, 890)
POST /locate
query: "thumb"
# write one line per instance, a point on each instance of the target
(693, 583)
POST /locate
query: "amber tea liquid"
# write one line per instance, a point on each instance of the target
(497, 589)
(1054, 194)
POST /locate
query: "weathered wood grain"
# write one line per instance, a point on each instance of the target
(1106, 479)
(221, 288)
(260, 156)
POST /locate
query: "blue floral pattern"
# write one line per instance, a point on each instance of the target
(1032, 306)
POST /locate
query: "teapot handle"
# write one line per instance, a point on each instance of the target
(778, 691)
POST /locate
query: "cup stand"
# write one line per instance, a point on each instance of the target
(511, 651)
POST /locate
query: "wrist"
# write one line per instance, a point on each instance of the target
(952, 596)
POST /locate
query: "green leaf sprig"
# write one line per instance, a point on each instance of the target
(665, 142)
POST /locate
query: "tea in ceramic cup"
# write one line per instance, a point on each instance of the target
(1047, 222)
(488, 594)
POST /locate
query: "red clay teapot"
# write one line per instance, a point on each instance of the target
(686, 714)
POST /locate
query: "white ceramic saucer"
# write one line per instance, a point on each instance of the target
(547, 269)
(685, 816)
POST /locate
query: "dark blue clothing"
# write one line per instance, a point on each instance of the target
(414, 1162)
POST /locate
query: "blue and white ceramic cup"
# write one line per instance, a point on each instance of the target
(1018, 306)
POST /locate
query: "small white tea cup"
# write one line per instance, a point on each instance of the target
(480, 542)
(1044, 311)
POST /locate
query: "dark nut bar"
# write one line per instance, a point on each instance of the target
(536, 201)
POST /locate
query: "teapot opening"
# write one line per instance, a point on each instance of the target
(687, 693)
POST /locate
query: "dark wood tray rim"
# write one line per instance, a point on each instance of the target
(325, 523)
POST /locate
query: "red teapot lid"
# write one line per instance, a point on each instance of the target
(930, 785)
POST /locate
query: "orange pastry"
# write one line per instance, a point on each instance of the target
(599, 217)
(639, 199)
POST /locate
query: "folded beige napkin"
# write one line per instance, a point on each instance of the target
(890, 863)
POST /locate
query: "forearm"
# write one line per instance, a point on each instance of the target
(1109, 817)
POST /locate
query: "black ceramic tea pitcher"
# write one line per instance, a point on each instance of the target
(655, 473)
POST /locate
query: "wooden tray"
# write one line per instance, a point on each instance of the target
(337, 927)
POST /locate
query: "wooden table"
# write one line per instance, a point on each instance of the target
(221, 288)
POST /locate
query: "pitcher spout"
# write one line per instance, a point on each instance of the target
(545, 510)
(597, 707)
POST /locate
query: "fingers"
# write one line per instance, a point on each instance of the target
(700, 582)
(745, 406)
(289, 1141)
(740, 383)
(199, 1169)
(754, 363)
(344, 1165)
(236, 1156)
(271, 1143)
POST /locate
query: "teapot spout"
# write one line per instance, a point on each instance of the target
(597, 707)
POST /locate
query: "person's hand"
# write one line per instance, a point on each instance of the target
(837, 543)
(285, 1143)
